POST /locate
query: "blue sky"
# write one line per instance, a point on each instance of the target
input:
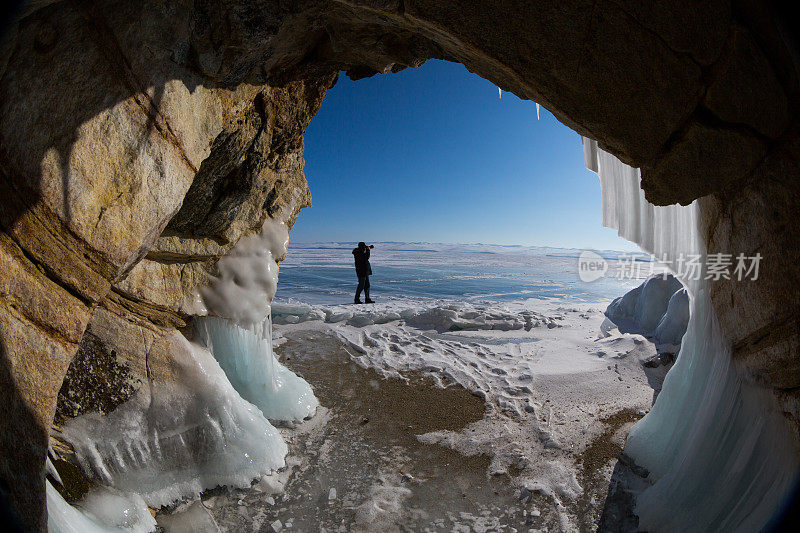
(432, 154)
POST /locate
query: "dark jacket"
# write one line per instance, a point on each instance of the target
(363, 267)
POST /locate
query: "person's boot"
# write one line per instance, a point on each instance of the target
(358, 301)
(369, 301)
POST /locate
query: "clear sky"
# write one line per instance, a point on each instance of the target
(432, 154)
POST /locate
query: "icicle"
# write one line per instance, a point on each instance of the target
(270, 354)
(499, 93)
(719, 452)
(537, 111)
(50, 467)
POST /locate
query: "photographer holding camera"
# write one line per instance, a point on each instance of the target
(363, 271)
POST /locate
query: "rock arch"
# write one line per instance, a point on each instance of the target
(139, 141)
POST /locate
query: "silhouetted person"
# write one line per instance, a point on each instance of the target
(363, 271)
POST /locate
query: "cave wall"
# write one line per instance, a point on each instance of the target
(760, 318)
(140, 141)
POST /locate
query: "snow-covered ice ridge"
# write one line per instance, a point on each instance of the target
(422, 313)
(718, 450)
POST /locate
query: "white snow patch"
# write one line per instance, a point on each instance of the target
(248, 276)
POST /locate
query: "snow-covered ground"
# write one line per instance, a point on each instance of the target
(550, 375)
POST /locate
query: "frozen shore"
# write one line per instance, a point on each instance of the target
(433, 414)
(559, 394)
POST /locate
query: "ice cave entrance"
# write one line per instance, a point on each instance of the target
(715, 447)
(438, 154)
(410, 161)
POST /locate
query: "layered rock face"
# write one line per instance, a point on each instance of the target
(140, 141)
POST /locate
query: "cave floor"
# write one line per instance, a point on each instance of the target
(359, 466)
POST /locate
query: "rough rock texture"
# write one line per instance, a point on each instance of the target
(761, 318)
(96, 380)
(140, 140)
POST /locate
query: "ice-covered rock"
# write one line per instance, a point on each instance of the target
(174, 440)
(672, 326)
(657, 309)
(717, 448)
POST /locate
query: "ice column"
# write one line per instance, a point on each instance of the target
(201, 428)
(240, 335)
(247, 359)
(718, 450)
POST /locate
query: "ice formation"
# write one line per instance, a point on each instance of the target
(240, 335)
(248, 276)
(672, 326)
(717, 448)
(657, 309)
(433, 315)
(246, 357)
(196, 431)
(190, 518)
(174, 440)
(101, 511)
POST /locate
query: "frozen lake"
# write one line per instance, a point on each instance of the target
(323, 273)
